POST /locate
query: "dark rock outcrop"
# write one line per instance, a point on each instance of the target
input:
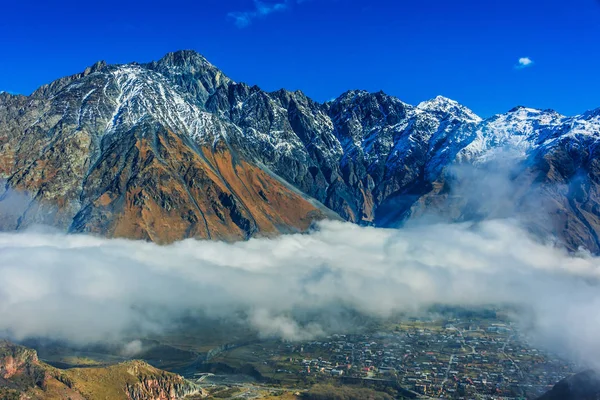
(582, 386)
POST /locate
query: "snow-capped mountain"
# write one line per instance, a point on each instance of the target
(174, 148)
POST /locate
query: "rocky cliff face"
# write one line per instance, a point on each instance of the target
(15, 360)
(23, 376)
(162, 386)
(174, 149)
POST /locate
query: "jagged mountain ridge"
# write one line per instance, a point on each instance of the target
(174, 148)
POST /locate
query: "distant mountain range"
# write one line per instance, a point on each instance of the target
(174, 149)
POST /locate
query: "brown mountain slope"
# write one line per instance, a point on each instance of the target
(163, 191)
(154, 186)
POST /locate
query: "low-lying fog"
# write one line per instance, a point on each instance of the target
(86, 289)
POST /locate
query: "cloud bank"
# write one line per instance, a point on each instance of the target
(86, 289)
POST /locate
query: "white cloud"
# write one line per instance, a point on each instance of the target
(261, 9)
(524, 62)
(83, 288)
(132, 348)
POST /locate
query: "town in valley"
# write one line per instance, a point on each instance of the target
(449, 358)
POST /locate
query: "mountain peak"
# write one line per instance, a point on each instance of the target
(353, 95)
(192, 72)
(444, 99)
(525, 109)
(437, 103)
(595, 113)
(97, 66)
(184, 59)
(517, 108)
(446, 106)
(532, 114)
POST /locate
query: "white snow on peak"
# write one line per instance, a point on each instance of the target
(441, 104)
(522, 130)
(440, 129)
(586, 124)
(144, 93)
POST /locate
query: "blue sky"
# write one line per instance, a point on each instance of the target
(489, 55)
